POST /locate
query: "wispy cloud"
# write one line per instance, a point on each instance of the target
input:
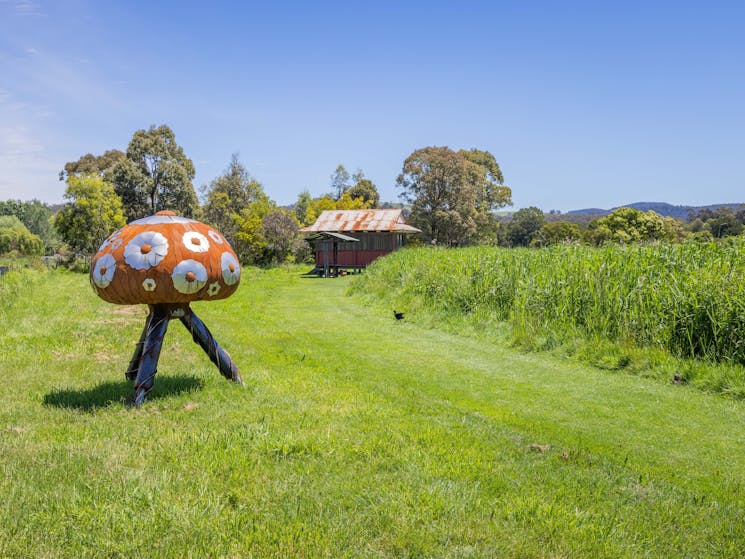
(16, 141)
(58, 79)
(14, 110)
(27, 8)
(28, 169)
(27, 172)
(48, 92)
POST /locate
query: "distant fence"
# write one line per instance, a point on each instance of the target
(51, 262)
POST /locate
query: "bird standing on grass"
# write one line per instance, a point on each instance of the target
(398, 315)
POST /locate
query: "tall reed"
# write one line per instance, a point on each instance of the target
(688, 299)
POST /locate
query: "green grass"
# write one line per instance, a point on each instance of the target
(658, 310)
(357, 436)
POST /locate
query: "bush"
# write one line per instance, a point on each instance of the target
(15, 237)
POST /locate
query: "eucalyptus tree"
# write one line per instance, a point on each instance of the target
(228, 196)
(90, 164)
(453, 194)
(365, 189)
(155, 175)
(525, 226)
(340, 181)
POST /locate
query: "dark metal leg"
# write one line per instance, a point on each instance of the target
(207, 342)
(134, 363)
(158, 324)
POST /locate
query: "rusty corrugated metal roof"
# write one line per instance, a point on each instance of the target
(361, 220)
(334, 234)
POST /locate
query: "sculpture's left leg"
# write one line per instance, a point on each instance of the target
(158, 324)
(207, 342)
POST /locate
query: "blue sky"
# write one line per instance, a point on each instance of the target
(584, 104)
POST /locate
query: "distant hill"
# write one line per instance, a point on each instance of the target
(662, 208)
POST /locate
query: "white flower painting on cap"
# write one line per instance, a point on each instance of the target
(195, 242)
(189, 276)
(214, 289)
(103, 272)
(215, 236)
(113, 241)
(146, 250)
(149, 284)
(231, 271)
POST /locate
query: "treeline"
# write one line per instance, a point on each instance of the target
(104, 192)
(452, 196)
(530, 227)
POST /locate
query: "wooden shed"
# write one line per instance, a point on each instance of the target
(351, 239)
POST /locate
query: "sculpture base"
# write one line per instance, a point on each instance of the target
(143, 365)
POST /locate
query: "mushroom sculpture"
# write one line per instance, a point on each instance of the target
(166, 262)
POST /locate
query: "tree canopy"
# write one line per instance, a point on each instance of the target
(15, 237)
(281, 230)
(340, 181)
(228, 195)
(90, 164)
(92, 212)
(720, 222)
(35, 216)
(558, 232)
(629, 225)
(259, 231)
(155, 175)
(525, 225)
(367, 191)
(452, 194)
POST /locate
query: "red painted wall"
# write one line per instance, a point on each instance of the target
(351, 258)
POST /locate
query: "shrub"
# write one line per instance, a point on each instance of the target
(15, 237)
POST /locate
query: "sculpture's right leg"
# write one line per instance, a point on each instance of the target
(134, 363)
(202, 336)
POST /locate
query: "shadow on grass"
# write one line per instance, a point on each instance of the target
(108, 393)
(311, 274)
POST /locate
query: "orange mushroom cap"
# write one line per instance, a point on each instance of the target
(164, 258)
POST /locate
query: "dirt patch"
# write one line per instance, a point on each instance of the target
(130, 310)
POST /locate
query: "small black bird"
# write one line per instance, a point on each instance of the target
(398, 315)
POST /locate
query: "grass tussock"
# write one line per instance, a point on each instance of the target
(676, 311)
(17, 285)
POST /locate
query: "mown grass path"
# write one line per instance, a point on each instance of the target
(358, 436)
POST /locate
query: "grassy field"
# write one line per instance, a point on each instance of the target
(357, 436)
